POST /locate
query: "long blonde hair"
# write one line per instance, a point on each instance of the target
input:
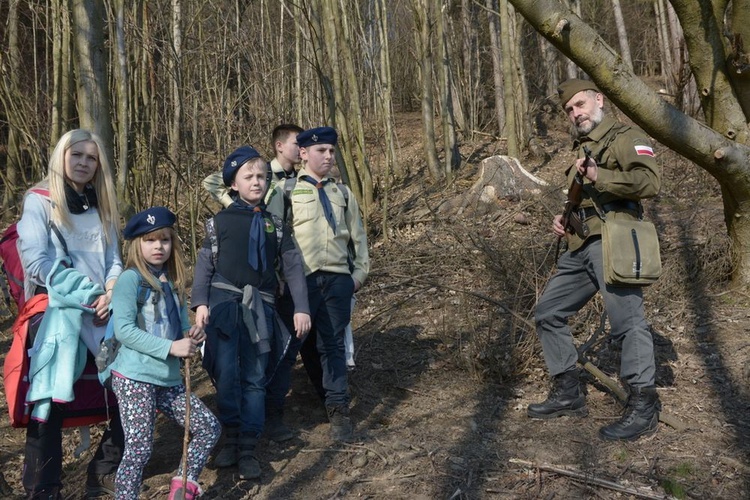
(102, 182)
(175, 264)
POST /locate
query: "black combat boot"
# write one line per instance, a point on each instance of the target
(641, 416)
(565, 398)
(342, 429)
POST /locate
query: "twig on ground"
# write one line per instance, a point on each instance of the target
(589, 479)
(386, 478)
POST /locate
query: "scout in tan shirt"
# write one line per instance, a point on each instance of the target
(326, 224)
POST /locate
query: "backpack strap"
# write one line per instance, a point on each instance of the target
(213, 238)
(289, 185)
(44, 193)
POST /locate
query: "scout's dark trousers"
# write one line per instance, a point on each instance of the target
(330, 297)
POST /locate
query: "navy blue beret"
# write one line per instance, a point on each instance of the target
(148, 220)
(234, 161)
(318, 135)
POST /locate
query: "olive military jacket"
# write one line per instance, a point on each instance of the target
(627, 171)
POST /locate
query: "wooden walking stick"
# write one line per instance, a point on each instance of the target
(186, 437)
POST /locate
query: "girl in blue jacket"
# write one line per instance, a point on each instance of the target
(151, 323)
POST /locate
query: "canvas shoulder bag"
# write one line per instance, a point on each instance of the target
(630, 250)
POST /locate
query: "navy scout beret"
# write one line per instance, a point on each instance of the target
(235, 160)
(318, 135)
(148, 220)
(569, 88)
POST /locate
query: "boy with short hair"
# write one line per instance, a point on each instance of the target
(323, 225)
(235, 278)
(283, 166)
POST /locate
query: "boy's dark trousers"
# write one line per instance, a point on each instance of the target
(278, 386)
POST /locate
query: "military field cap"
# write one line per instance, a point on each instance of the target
(234, 161)
(318, 135)
(148, 220)
(569, 88)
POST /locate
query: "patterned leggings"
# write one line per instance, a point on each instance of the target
(138, 403)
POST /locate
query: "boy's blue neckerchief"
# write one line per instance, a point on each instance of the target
(256, 245)
(327, 208)
(173, 312)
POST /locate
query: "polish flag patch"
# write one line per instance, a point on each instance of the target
(644, 150)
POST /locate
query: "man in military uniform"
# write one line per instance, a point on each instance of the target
(621, 171)
(325, 222)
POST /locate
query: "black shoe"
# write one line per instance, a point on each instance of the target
(275, 428)
(100, 484)
(342, 429)
(45, 494)
(247, 464)
(641, 417)
(565, 398)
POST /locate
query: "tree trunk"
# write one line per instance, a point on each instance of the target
(665, 52)
(92, 71)
(622, 34)
(422, 15)
(739, 63)
(122, 78)
(175, 127)
(386, 104)
(447, 120)
(720, 148)
(497, 65)
(355, 115)
(15, 158)
(510, 103)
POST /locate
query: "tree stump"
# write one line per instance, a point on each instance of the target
(501, 179)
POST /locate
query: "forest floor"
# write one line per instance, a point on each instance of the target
(447, 361)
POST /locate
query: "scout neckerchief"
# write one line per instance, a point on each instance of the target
(256, 245)
(327, 208)
(173, 312)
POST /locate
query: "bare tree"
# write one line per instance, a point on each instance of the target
(447, 120)
(91, 66)
(423, 14)
(497, 64)
(622, 34)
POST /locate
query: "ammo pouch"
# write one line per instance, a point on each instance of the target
(630, 249)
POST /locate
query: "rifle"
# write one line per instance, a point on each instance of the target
(570, 220)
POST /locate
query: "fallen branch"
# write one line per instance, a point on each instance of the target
(386, 478)
(589, 479)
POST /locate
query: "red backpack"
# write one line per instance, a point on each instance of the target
(16, 369)
(11, 266)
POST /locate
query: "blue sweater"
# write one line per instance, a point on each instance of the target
(144, 353)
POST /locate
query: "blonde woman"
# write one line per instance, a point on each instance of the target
(77, 222)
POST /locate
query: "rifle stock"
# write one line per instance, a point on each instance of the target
(575, 195)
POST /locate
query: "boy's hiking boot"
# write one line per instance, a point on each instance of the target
(341, 425)
(565, 398)
(276, 430)
(227, 455)
(641, 416)
(248, 465)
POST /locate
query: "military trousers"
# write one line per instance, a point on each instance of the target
(579, 276)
